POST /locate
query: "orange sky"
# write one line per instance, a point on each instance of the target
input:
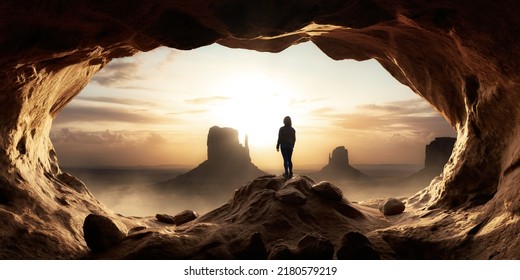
(156, 108)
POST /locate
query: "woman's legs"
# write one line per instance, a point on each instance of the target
(287, 151)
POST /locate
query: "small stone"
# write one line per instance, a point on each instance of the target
(328, 191)
(101, 233)
(356, 246)
(391, 206)
(313, 247)
(291, 196)
(184, 217)
(165, 218)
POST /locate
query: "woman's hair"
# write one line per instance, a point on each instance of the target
(287, 121)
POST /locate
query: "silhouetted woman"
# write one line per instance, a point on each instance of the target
(286, 140)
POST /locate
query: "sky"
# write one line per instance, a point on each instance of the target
(156, 108)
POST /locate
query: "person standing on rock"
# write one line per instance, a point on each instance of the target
(286, 140)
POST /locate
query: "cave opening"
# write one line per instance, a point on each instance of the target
(458, 56)
(143, 120)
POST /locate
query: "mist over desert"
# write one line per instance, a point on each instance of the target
(133, 191)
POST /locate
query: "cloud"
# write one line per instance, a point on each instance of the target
(406, 107)
(189, 112)
(142, 88)
(155, 139)
(409, 119)
(118, 72)
(304, 101)
(207, 100)
(81, 113)
(65, 136)
(116, 100)
(114, 148)
(172, 55)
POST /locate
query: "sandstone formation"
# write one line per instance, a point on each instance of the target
(339, 167)
(228, 165)
(437, 154)
(254, 224)
(459, 55)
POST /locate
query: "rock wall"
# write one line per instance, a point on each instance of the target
(460, 56)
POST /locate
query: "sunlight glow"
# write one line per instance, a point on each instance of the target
(254, 104)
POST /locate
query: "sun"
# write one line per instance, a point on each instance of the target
(254, 104)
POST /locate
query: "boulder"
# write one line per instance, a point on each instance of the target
(391, 206)
(184, 217)
(101, 233)
(165, 218)
(328, 191)
(356, 246)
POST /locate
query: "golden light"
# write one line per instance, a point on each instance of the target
(254, 104)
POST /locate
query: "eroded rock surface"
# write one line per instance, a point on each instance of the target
(460, 56)
(254, 224)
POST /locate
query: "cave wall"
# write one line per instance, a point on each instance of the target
(460, 56)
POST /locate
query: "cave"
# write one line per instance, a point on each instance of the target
(460, 56)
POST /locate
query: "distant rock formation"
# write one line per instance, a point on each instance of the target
(339, 167)
(437, 153)
(228, 163)
(223, 146)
